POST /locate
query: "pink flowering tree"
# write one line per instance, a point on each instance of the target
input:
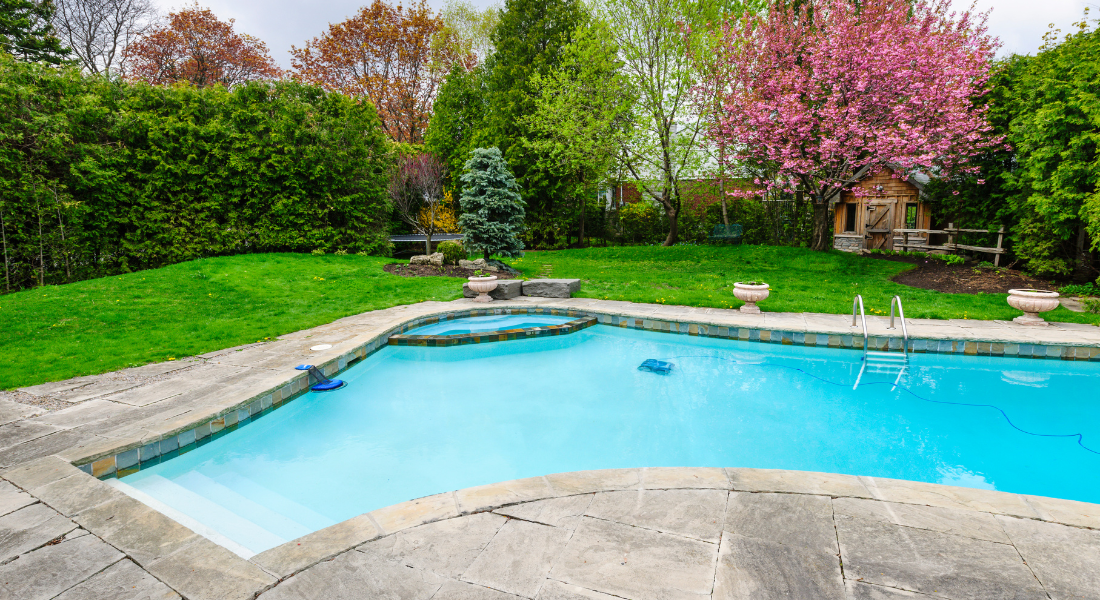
(823, 93)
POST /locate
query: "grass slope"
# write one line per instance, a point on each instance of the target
(801, 280)
(57, 332)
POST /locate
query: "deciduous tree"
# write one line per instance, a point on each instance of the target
(583, 112)
(669, 125)
(416, 190)
(97, 31)
(826, 88)
(385, 54)
(193, 45)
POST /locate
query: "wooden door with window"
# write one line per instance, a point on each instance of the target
(879, 229)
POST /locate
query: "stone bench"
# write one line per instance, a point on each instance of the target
(506, 289)
(551, 288)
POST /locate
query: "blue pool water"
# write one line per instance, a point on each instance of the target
(491, 323)
(417, 421)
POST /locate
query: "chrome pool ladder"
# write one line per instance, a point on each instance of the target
(883, 362)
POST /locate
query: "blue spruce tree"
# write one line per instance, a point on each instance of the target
(492, 210)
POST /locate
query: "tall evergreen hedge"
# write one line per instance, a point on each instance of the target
(101, 177)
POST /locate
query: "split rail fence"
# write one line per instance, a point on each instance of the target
(952, 246)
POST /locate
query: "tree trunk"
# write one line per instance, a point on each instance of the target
(64, 247)
(428, 244)
(722, 195)
(41, 250)
(673, 226)
(4, 234)
(583, 203)
(820, 240)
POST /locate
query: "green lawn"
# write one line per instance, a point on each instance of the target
(57, 332)
(95, 326)
(801, 280)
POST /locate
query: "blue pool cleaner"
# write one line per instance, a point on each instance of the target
(324, 384)
(656, 366)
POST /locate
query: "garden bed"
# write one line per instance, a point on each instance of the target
(434, 271)
(933, 274)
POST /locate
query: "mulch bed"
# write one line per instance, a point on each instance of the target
(407, 270)
(932, 274)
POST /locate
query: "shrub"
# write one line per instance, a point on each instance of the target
(1088, 289)
(1091, 305)
(492, 209)
(452, 252)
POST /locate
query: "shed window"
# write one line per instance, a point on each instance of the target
(850, 217)
(911, 215)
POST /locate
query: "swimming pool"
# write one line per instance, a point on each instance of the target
(416, 421)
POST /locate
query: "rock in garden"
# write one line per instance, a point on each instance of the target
(436, 259)
(506, 289)
(419, 259)
(551, 288)
(476, 264)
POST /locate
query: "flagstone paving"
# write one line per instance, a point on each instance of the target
(635, 533)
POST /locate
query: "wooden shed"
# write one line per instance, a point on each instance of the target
(886, 203)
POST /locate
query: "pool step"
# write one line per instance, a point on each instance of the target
(244, 507)
(241, 531)
(276, 502)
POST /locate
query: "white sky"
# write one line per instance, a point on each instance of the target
(282, 23)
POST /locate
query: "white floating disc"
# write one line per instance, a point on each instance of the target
(321, 347)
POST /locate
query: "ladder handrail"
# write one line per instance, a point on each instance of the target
(904, 331)
(859, 300)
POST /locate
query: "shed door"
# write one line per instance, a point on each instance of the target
(880, 226)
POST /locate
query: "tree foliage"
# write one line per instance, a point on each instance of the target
(1056, 134)
(458, 116)
(100, 176)
(385, 54)
(583, 112)
(492, 209)
(469, 27)
(827, 89)
(194, 46)
(26, 31)
(530, 38)
(666, 147)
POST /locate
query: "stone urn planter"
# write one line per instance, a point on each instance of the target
(1032, 302)
(483, 285)
(750, 293)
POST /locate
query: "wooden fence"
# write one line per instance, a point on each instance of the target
(952, 246)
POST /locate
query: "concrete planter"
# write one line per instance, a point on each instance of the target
(1032, 302)
(483, 285)
(750, 294)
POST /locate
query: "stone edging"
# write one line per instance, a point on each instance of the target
(294, 556)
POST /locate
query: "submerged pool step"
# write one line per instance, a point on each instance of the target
(210, 513)
(245, 507)
(274, 501)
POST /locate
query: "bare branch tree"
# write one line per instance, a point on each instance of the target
(98, 30)
(416, 189)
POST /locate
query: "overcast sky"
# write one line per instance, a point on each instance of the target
(282, 23)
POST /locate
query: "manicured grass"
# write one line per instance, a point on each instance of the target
(58, 332)
(801, 280)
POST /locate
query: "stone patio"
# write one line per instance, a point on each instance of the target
(649, 533)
